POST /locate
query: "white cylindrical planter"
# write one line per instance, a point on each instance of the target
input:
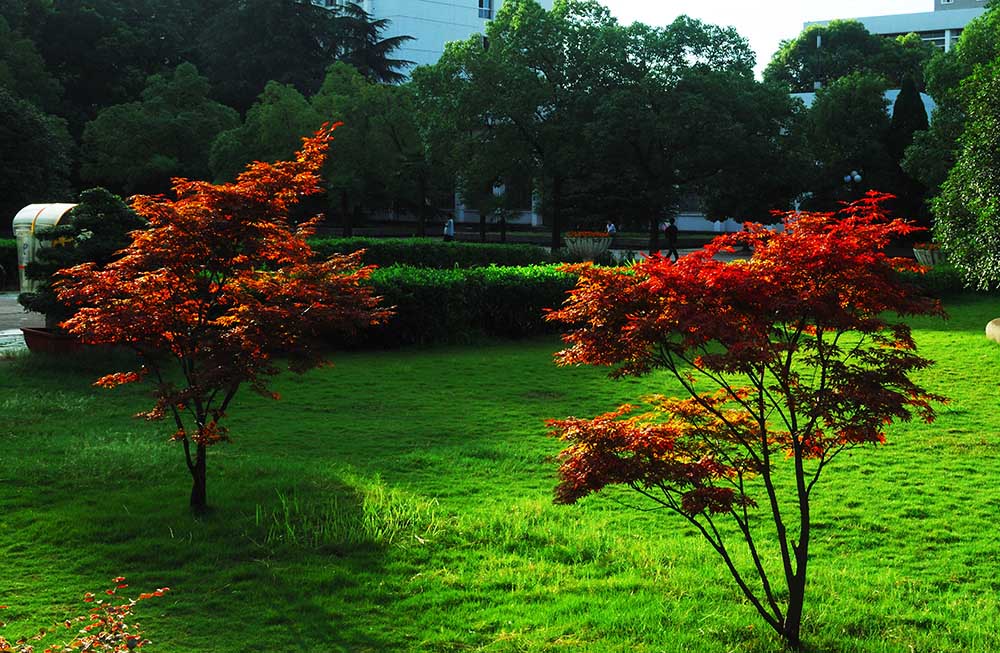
(27, 223)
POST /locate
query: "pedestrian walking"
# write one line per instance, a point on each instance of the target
(670, 231)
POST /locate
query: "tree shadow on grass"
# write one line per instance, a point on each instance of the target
(297, 569)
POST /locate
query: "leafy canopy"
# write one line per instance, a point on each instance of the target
(221, 284)
(802, 362)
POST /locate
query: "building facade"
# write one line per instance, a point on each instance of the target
(940, 27)
(431, 23)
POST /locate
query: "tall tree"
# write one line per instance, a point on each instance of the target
(23, 71)
(251, 42)
(35, 156)
(967, 212)
(367, 157)
(909, 117)
(824, 53)
(519, 93)
(139, 146)
(935, 151)
(273, 129)
(847, 131)
(221, 286)
(366, 49)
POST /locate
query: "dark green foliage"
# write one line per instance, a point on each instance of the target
(250, 43)
(8, 262)
(273, 131)
(23, 71)
(140, 146)
(431, 253)
(847, 130)
(967, 212)
(845, 47)
(440, 306)
(942, 281)
(908, 117)
(366, 50)
(97, 228)
(34, 157)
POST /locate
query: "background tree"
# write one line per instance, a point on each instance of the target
(934, 152)
(805, 364)
(826, 53)
(520, 92)
(909, 117)
(23, 71)
(92, 232)
(35, 156)
(663, 125)
(139, 146)
(249, 43)
(366, 50)
(273, 129)
(967, 212)
(847, 130)
(219, 285)
(367, 157)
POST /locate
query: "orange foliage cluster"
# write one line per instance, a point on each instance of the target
(796, 338)
(222, 284)
(104, 631)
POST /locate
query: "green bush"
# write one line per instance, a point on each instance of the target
(459, 305)
(942, 280)
(432, 253)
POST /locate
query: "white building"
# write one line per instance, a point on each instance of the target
(431, 23)
(940, 27)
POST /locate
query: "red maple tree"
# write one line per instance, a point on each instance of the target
(220, 284)
(803, 361)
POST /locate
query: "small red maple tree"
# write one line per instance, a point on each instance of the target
(803, 362)
(220, 284)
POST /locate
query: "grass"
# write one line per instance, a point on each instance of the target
(401, 501)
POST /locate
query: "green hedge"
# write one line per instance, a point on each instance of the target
(432, 253)
(8, 260)
(460, 305)
(941, 281)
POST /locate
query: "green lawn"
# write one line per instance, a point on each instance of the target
(401, 501)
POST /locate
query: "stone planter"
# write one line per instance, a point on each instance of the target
(928, 257)
(48, 341)
(585, 248)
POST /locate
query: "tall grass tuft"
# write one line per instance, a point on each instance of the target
(367, 513)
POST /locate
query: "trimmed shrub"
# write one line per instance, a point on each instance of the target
(432, 253)
(942, 281)
(460, 305)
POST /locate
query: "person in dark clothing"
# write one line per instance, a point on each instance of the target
(670, 231)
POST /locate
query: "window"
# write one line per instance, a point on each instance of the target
(486, 9)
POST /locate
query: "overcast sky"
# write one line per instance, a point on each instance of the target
(765, 23)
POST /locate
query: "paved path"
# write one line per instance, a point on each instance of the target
(12, 318)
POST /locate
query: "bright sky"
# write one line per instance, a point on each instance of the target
(765, 23)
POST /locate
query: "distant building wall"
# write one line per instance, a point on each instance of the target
(941, 27)
(431, 23)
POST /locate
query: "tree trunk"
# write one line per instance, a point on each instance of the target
(654, 235)
(797, 588)
(482, 225)
(556, 214)
(424, 205)
(503, 229)
(345, 212)
(199, 494)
